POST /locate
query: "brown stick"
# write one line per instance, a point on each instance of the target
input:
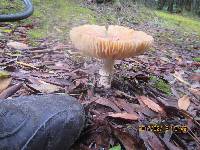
(10, 91)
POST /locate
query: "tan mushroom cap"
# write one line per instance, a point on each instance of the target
(115, 43)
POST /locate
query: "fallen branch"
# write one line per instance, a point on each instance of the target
(26, 65)
(118, 92)
(10, 91)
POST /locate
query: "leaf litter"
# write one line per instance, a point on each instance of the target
(184, 102)
(4, 83)
(115, 115)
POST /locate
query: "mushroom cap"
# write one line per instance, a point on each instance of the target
(116, 42)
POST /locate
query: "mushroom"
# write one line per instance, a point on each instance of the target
(109, 44)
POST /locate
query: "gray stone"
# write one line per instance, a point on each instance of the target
(46, 122)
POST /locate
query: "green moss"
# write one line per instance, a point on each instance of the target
(161, 85)
(174, 20)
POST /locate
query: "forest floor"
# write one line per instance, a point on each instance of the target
(160, 87)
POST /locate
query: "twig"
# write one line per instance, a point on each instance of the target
(194, 136)
(36, 48)
(42, 51)
(10, 91)
(118, 92)
(26, 65)
(190, 117)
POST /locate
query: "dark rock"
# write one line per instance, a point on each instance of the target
(47, 122)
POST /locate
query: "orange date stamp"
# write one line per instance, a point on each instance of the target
(160, 128)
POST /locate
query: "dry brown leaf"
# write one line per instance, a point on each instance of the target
(184, 102)
(151, 104)
(129, 142)
(44, 87)
(195, 91)
(122, 104)
(151, 141)
(108, 103)
(4, 83)
(180, 78)
(195, 77)
(17, 45)
(125, 116)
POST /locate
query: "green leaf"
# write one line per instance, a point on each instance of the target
(118, 147)
(4, 74)
(196, 59)
(5, 30)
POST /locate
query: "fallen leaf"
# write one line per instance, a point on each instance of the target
(195, 91)
(58, 82)
(184, 102)
(17, 45)
(165, 59)
(108, 103)
(129, 142)
(125, 116)
(151, 141)
(166, 140)
(6, 30)
(118, 147)
(196, 59)
(171, 146)
(4, 83)
(195, 77)
(44, 87)
(148, 112)
(151, 104)
(60, 66)
(122, 104)
(180, 78)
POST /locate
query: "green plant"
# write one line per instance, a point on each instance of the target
(118, 147)
(161, 85)
(174, 20)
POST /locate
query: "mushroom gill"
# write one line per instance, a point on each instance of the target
(116, 42)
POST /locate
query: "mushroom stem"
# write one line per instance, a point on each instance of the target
(106, 73)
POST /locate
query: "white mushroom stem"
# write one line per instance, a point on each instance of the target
(106, 73)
